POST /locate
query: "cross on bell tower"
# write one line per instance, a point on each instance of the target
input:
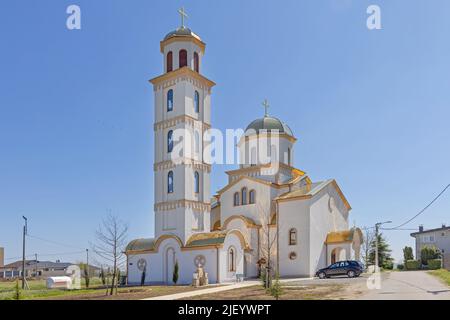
(183, 16)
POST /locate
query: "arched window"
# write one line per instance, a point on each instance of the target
(251, 197)
(253, 157)
(197, 141)
(169, 100)
(170, 182)
(292, 237)
(289, 156)
(196, 62)
(231, 259)
(170, 141)
(196, 182)
(169, 61)
(244, 196)
(183, 58)
(197, 102)
(236, 199)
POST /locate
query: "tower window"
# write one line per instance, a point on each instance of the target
(251, 197)
(170, 141)
(197, 142)
(197, 102)
(196, 62)
(170, 182)
(169, 100)
(292, 237)
(244, 196)
(236, 199)
(183, 58)
(289, 156)
(196, 182)
(169, 61)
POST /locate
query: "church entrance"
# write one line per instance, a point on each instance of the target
(337, 254)
(170, 264)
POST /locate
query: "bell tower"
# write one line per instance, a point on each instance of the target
(182, 100)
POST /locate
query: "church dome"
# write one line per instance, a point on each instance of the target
(268, 124)
(181, 31)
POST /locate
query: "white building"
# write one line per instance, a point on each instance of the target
(267, 209)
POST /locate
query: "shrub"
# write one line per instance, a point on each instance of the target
(429, 253)
(276, 290)
(400, 267)
(412, 265)
(388, 265)
(175, 273)
(434, 264)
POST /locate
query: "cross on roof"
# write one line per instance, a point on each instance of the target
(266, 107)
(183, 15)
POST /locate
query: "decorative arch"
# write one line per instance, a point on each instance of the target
(236, 201)
(169, 61)
(165, 237)
(182, 58)
(249, 223)
(252, 197)
(242, 240)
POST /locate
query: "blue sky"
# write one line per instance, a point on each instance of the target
(370, 108)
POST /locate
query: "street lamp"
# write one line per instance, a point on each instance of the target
(377, 226)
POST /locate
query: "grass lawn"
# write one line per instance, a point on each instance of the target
(442, 274)
(96, 291)
(257, 292)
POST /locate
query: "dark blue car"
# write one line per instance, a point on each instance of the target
(349, 268)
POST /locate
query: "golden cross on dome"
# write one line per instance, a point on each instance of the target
(183, 15)
(266, 107)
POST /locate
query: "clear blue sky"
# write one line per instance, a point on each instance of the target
(370, 108)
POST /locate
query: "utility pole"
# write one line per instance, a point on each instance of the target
(87, 263)
(377, 226)
(23, 251)
(35, 265)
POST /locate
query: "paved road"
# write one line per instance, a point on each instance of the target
(408, 285)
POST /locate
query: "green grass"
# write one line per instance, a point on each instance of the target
(38, 289)
(442, 274)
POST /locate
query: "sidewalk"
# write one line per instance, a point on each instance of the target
(226, 287)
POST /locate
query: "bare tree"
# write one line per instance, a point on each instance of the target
(111, 241)
(268, 239)
(369, 237)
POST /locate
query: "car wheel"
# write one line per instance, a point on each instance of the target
(351, 274)
(322, 275)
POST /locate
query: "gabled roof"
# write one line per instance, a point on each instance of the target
(309, 190)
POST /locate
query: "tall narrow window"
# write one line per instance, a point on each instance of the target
(244, 196)
(170, 141)
(197, 142)
(231, 260)
(196, 62)
(251, 197)
(169, 61)
(197, 102)
(183, 58)
(170, 182)
(196, 182)
(169, 100)
(292, 237)
(236, 199)
(289, 156)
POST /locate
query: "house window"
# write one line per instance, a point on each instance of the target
(183, 58)
(196, 182)
(170, 182)
(244, 196)
(236, 199)
(197, 102)
(292, 237)
(170, 141)
(231, 259)
(169, 61)
(196, 62)
(251, 197)
(169, 100)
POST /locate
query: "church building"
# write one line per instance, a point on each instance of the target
(270, 214)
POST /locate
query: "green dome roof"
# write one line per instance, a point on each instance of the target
(268, 124)
(182, 31)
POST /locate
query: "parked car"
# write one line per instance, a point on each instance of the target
(350, 268)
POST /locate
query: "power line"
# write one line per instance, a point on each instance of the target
(421, 211)
(55, 242)
(48, 255)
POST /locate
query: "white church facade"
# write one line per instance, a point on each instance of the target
(268, 213)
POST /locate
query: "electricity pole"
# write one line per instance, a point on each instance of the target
(87, 264)
(377, 226)
(23, 251)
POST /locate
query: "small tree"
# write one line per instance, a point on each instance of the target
(102, 276)
(86, 275)
(17, 292)
(407, 254)
(276, 290)
(384, 256)
(175, 273)
(143, 278)
(429, 253)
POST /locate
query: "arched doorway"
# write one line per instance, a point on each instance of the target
(337, 254)
(169, 261)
